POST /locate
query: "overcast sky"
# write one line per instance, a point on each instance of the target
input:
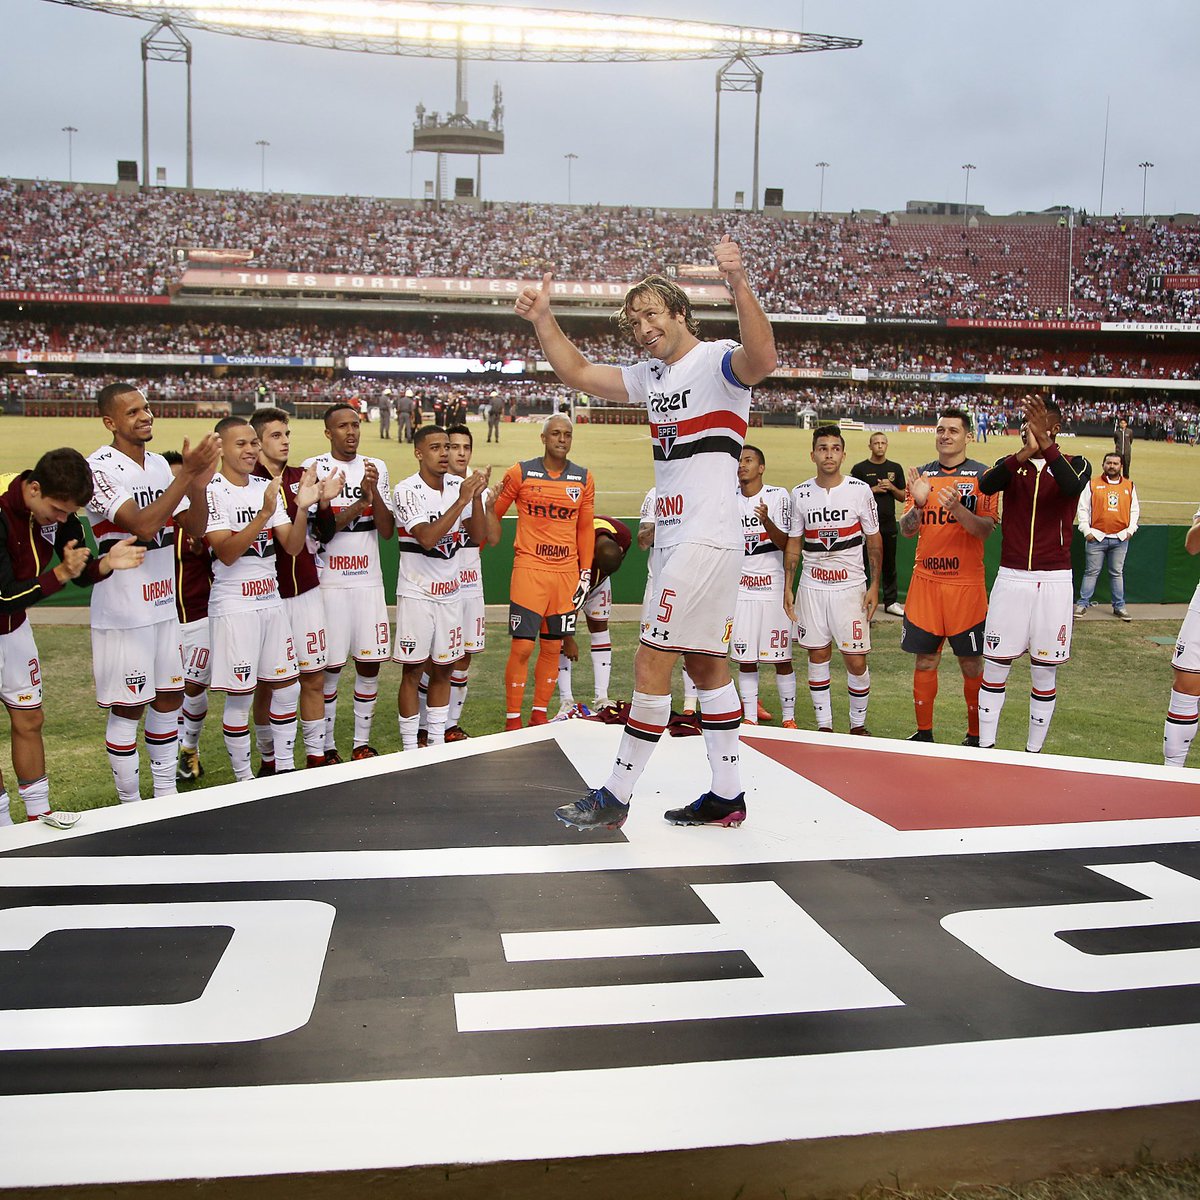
(1018, 89)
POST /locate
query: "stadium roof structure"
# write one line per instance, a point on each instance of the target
(439, 29)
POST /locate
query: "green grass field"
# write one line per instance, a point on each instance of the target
(619, 455)
(1108, 657)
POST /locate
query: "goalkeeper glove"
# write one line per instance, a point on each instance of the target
(585, 586)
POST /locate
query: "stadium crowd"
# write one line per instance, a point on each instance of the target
(54, 237)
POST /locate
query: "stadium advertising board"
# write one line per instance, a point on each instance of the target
(81, 298)
(565, 290)
(435, 366)
(120, 358)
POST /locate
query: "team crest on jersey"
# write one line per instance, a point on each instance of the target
(666, 437)
(992, 640)
(241, 672)
(574, 493)
(828, 538)
(135, 681)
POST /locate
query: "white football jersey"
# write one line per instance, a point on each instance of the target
(248, 583)
(351, 558)
(698, 414)
(762, 567)
(436, 573)
(146, 594)
(833, 525)
(470, 562)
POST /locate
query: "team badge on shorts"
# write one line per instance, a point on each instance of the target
(241, 672)
(991, 641)
(407, 645)
(666, 438)
(135, 681)
(514, 622)
(739, 648)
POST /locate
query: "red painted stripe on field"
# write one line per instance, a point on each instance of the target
(932, 793)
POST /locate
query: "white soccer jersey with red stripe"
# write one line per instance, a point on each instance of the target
(762, 566)
(436, 573)
(351, 558)
(249, 583)
(146, 594)
(833, 525)
(698, 412)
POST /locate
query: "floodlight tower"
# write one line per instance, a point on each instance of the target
(164, 43)
(490, 32)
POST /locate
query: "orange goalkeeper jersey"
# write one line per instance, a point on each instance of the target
(554, 515)
(946, 552)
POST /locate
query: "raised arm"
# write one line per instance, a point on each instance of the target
(561, 353)
(755, 358)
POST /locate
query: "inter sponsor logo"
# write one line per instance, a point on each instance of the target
(664, 402)
(556, 512)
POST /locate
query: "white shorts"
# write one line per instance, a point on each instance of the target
(1029, 611)
(131, 665)
(428, 630)
(20, 671)
(197, 659)
(690, 609)
(827, 617)
(251, 647)
(598, 605)
(356, 625)
(474, 622)
(761, 632)
(306, 615)
(1187, 644)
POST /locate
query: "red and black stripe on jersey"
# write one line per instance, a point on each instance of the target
(720, 432)
(831, 538)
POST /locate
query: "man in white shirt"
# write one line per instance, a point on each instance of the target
(351, 580)
(430, 507)
(137, 655)
(251, 635)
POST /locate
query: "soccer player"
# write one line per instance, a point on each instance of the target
(300, 590)
(351, 580)
(885, 478)
(947, 599)
(37, 521)
(430, 506)
(250, 632)
(613, 539)
(1183, 712)
(137, 656)
(832, 516)
(697, 396)
(1030, 606)
(762, 630)
(552, 562)
(193, 582)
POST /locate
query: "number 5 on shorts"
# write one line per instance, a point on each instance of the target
(665, 608)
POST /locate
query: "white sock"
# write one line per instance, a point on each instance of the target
(648, 717)
(120, 739)
(818, 690)
(314, 738)
(264, 739)
(36, 795)
(458, 696)
(787, 695)
(5, 810)
(1042, 698)
(435, 724)
(366, 692)
(408, 732)
(747, 686)
(689, 692)
(721, 719)
(235, 726)
(565, 694)
(162, 746)
(1180, 728)
(283, 726)
(331, 698)
(859, 687)
(602, 662)
(991, 699)
(192, 714)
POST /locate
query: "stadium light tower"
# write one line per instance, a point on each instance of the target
(821, 192)
(71, 131)
(262, 145)
(967, 168)
(489, 32)
(570, 163)
(1145, 172)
